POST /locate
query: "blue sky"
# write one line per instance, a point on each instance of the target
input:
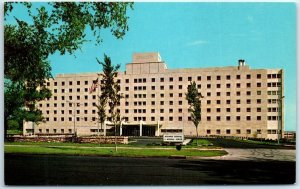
(202, 35)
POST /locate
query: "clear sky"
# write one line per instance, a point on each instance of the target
(202, 35)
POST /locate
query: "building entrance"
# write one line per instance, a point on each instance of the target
(134, 130)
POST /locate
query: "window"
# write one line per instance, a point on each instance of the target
(189, 78)
(179, 94)
(227, 101)
(161, 102)
(208, 86)
(171, 95)
(179, 86)
(218, 93)
(86, 82)
(218, 118)
(208, 78)
(171, 79)
(218, 131)
(227, 109)
(218, 109)
(227, 93)
(208, 102)
(238, 131)
(199, 86)
(199, 78)
(180, 79)
(228, 85)
(258, 84)
(218, 77)
(238, 85)
(238, 76)
(238, 109)
(258, 76)
(258, 101)
(227, 118)
(208, 131)
(171, 102)
(208, 110)
(180, 102)
(238, 118)
(179, 110)
(55, 83)
(258, 92)
(171, 87)
(228, 131)
(228, 77)
(162, 95)
(218, 85)
(126, 80)
(248, 101)
(78, 82)
(248, 118)
(162, 87)
(152, 79)
(170, 118)
(258, 109)
(248, 109)
(218, 101)
(248, 131)
(209, 94)
(258, 118)
(248, 85)
(238, 93)
(162, 79)
(208, 118)
(248, 76)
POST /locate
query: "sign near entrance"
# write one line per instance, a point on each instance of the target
(173, 138)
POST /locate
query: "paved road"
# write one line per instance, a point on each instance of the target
(257, 154)
(79, 170)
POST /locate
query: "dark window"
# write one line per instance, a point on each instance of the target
(162, 79)
(180, 79)
(171, 79)
(238, 76)
(208, 78)
(258, 76)
(248, 76)
(189, 78)
(218, 77)
(228, 77)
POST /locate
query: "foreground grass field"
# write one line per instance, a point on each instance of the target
(110, 151)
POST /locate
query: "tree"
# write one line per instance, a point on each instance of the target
(111, 91)
(101, 110)
(194, 99)
(50, 27)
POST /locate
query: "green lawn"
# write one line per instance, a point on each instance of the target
(129, 152)
(201, 142)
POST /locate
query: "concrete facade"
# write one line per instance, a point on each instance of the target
(238, 101)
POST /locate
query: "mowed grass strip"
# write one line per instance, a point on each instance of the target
(127, 152)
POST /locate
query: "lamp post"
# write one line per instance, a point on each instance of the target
(279, 116)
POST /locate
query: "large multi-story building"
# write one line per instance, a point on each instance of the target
(238, 101)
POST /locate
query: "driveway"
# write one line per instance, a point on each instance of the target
(257, 154)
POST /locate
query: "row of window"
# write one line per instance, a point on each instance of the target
(171, 79)
(208, 86)
(238, 131)
(228, 131)
(171, 118)
(208, 131)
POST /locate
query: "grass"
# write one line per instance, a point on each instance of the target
(201, 142)
(128, 152)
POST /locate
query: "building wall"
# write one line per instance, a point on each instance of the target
(238, 101)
